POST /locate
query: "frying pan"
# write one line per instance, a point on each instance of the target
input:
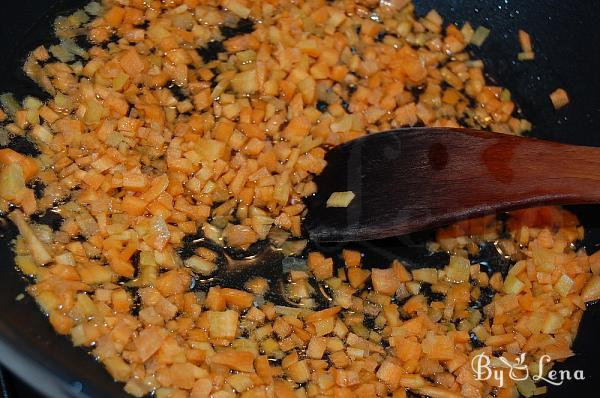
(566, 38)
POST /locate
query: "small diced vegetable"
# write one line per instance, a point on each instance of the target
(559, 98)
(340, 199)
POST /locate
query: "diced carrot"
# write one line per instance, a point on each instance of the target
(550, 216)
(28, 165)
(357, 276)
(438, 347)
(385, 281)
(132, 63)
(559, 98)
(61, 323)
(321, 267)
(133, 205)
(202, 388)
(173, 282)
(323, 314)
(237, 298)
(352, 258)
(390, 373)
(114, 16)
(148, 342)
(525, 41)
(338, 73)
(236, 360)
(283, 389)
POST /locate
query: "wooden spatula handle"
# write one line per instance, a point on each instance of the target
(517, 171)
(415, 179)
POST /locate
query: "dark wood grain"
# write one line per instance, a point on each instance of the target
(413, 179)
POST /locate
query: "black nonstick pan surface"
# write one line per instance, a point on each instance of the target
(566, 39)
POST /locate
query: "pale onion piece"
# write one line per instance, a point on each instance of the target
(200, 265)
(395, 4)
(42, 134)
(4, 137)
(480, 35)
(119, 81)
(591, 291)
(87, 224)
(213, 233)
(32, 103)
(283, 310)
(78, 18)
(62, 53)
(429, 275)
(467, 31)
(93, 8)
(342, 126)
(43, 232)
(9, 103)
(210, 150)
(223, 324)
(552, 323)
(70, 46)
(513, 285)
(340, 199)
(237, 8)
(563, 285)
(12, 183)
(156, 33)
(526, 387)
(63, 102)
(293, 247)
(26, 264)
(458, 270)
(38, 251)
(183, 21)
(281, 192)
(559, 98)
(278, 236)
(245, 82)
(262, 225)
(93, 113)
(160, 230)
(290, 264)
(66, 259)
(246, 56)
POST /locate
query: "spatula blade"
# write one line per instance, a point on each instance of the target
(418, 178)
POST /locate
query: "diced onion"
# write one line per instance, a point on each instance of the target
(293, 247)
(340, 199)
(458, 269)
(9, 103)
(200, 265)
(93, 8)
(480, 35)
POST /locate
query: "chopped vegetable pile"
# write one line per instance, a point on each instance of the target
(205, 121)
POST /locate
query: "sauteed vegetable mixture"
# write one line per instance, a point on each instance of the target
(173, 119)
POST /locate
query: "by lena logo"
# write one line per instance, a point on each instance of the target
(484, 369)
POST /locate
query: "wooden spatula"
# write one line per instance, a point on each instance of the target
(413, 179)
